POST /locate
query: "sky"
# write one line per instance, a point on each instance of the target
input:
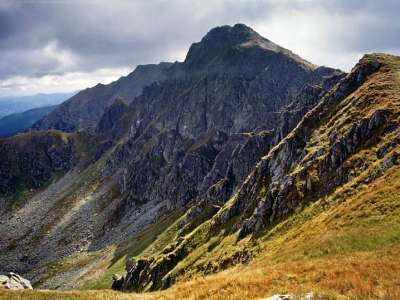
(51, 46)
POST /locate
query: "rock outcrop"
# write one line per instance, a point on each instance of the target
(318, 176)
(306, 296)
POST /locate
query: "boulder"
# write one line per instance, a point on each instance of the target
(13, 281)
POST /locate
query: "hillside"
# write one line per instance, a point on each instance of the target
(242, 172)
(348, 258)
(18, 122)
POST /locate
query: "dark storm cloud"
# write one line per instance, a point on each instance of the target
(39, 38)
(102, 34)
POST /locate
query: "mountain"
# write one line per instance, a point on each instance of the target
(339, 151)
(243, 157)
(18, 122)
(241, 53)
(191, 136)
(16, 104)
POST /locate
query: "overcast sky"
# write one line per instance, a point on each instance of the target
(54, 46)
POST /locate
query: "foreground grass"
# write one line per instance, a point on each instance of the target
(362, 276)
(359, 276)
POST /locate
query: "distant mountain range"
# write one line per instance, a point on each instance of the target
(16, 104)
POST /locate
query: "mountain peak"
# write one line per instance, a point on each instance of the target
(234, 34)
(219, 40)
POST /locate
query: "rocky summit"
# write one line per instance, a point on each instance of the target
(244, 163)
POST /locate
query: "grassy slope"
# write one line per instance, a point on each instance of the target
(349, 248)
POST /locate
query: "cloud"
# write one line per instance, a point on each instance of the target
(56, 83)
(62, 38)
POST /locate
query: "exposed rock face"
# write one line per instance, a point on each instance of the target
(283, 194)
(13, 281)
(233, 81)
(112, 124)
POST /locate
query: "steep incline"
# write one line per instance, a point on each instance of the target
(337, 153)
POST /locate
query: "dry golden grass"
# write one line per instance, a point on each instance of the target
(360, 276)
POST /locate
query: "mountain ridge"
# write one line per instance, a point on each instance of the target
(17, 104)
(231, 52)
